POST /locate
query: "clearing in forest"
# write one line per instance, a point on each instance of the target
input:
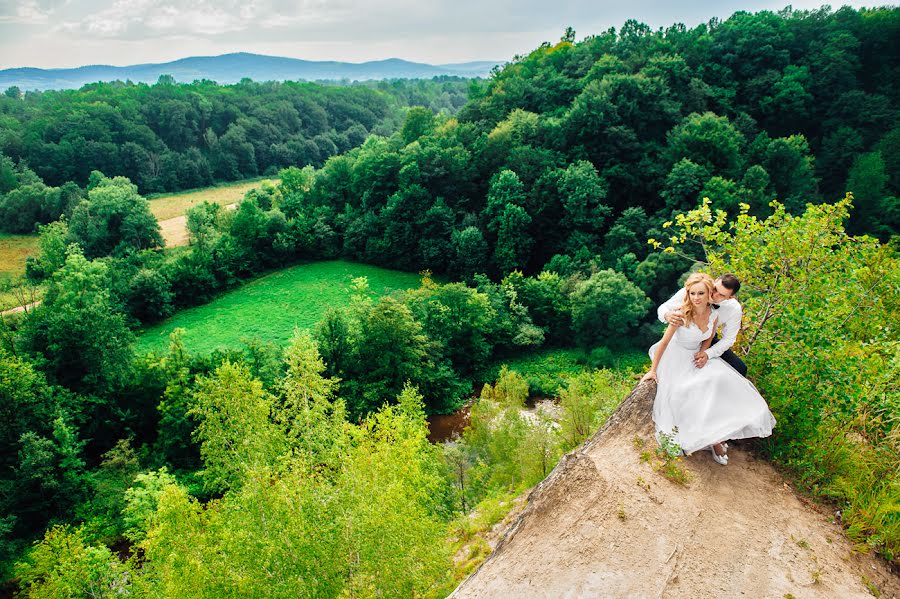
(14, 249)
(166, 206)
(271, 307)
(170, 209)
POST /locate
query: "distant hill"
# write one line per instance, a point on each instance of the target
(231, 68)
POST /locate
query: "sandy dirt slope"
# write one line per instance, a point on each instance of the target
(605, 524)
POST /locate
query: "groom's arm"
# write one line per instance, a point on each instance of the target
(730, 328)
(672, 304)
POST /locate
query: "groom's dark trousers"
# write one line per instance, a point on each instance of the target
(731, 358)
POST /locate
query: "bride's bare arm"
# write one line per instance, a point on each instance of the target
(651, 374)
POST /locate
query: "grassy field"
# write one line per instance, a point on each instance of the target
(13, 251)
(271, 307)
(170, 205)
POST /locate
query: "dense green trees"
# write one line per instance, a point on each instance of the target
(169, 136)
(82, 337)
(113, 220)
(548, 162)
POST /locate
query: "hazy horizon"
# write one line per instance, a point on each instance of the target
(109, 64)
(63, 34)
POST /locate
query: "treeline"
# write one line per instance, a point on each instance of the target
(575, 154)
(170, 136)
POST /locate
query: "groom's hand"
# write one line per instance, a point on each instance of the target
(675, 318)
(700, 359)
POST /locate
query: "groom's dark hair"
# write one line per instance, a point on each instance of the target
(729, 281)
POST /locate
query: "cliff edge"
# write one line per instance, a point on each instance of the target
(606, 524)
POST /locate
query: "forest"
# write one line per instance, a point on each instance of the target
(555, 207)
(168, 136)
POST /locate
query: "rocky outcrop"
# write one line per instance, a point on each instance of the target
(605, 523)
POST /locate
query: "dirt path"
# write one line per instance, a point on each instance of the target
(174, 230)
(18, 309)
(605, 524)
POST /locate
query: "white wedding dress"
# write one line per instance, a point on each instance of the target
(705, 405)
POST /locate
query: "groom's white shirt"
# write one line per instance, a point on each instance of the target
(730, 314)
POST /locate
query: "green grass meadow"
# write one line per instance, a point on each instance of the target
(271, 307)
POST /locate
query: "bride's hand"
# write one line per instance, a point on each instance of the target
(651, 375)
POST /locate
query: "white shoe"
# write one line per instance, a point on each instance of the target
(720, 459)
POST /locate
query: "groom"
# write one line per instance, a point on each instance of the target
(730, 313)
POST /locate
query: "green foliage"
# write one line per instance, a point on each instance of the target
(606, 308)
(78, 331)
(709, 141)
(53, 242)
(820, 308)
(312, 417)
(393, 514)
(107, 495)
(457, 319)
(235, 432)
(513, 241)
(31, 204)
(497, 441)
(419, 121)
(469, 252)
(587, 401)
(63, 564)
(389, 348)
(141, 502)
(876, 210)
(507, 448)
(114, 220)
(49, 477)
(28, 404)
(666, 459)
(545, 370)
(172, 136)
(375, 526)
(174, 443)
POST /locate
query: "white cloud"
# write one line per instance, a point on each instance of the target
(28, 12)
(149, 19)
(61, 32)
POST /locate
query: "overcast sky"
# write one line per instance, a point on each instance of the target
(67, 33)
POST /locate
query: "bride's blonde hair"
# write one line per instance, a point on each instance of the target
(687, 308)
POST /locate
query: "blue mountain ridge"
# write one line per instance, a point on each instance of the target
(231, 68)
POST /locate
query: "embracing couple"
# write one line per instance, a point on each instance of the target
(702, 397)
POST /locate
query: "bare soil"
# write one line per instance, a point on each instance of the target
(606, 524)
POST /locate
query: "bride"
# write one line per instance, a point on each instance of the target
(700, 408)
